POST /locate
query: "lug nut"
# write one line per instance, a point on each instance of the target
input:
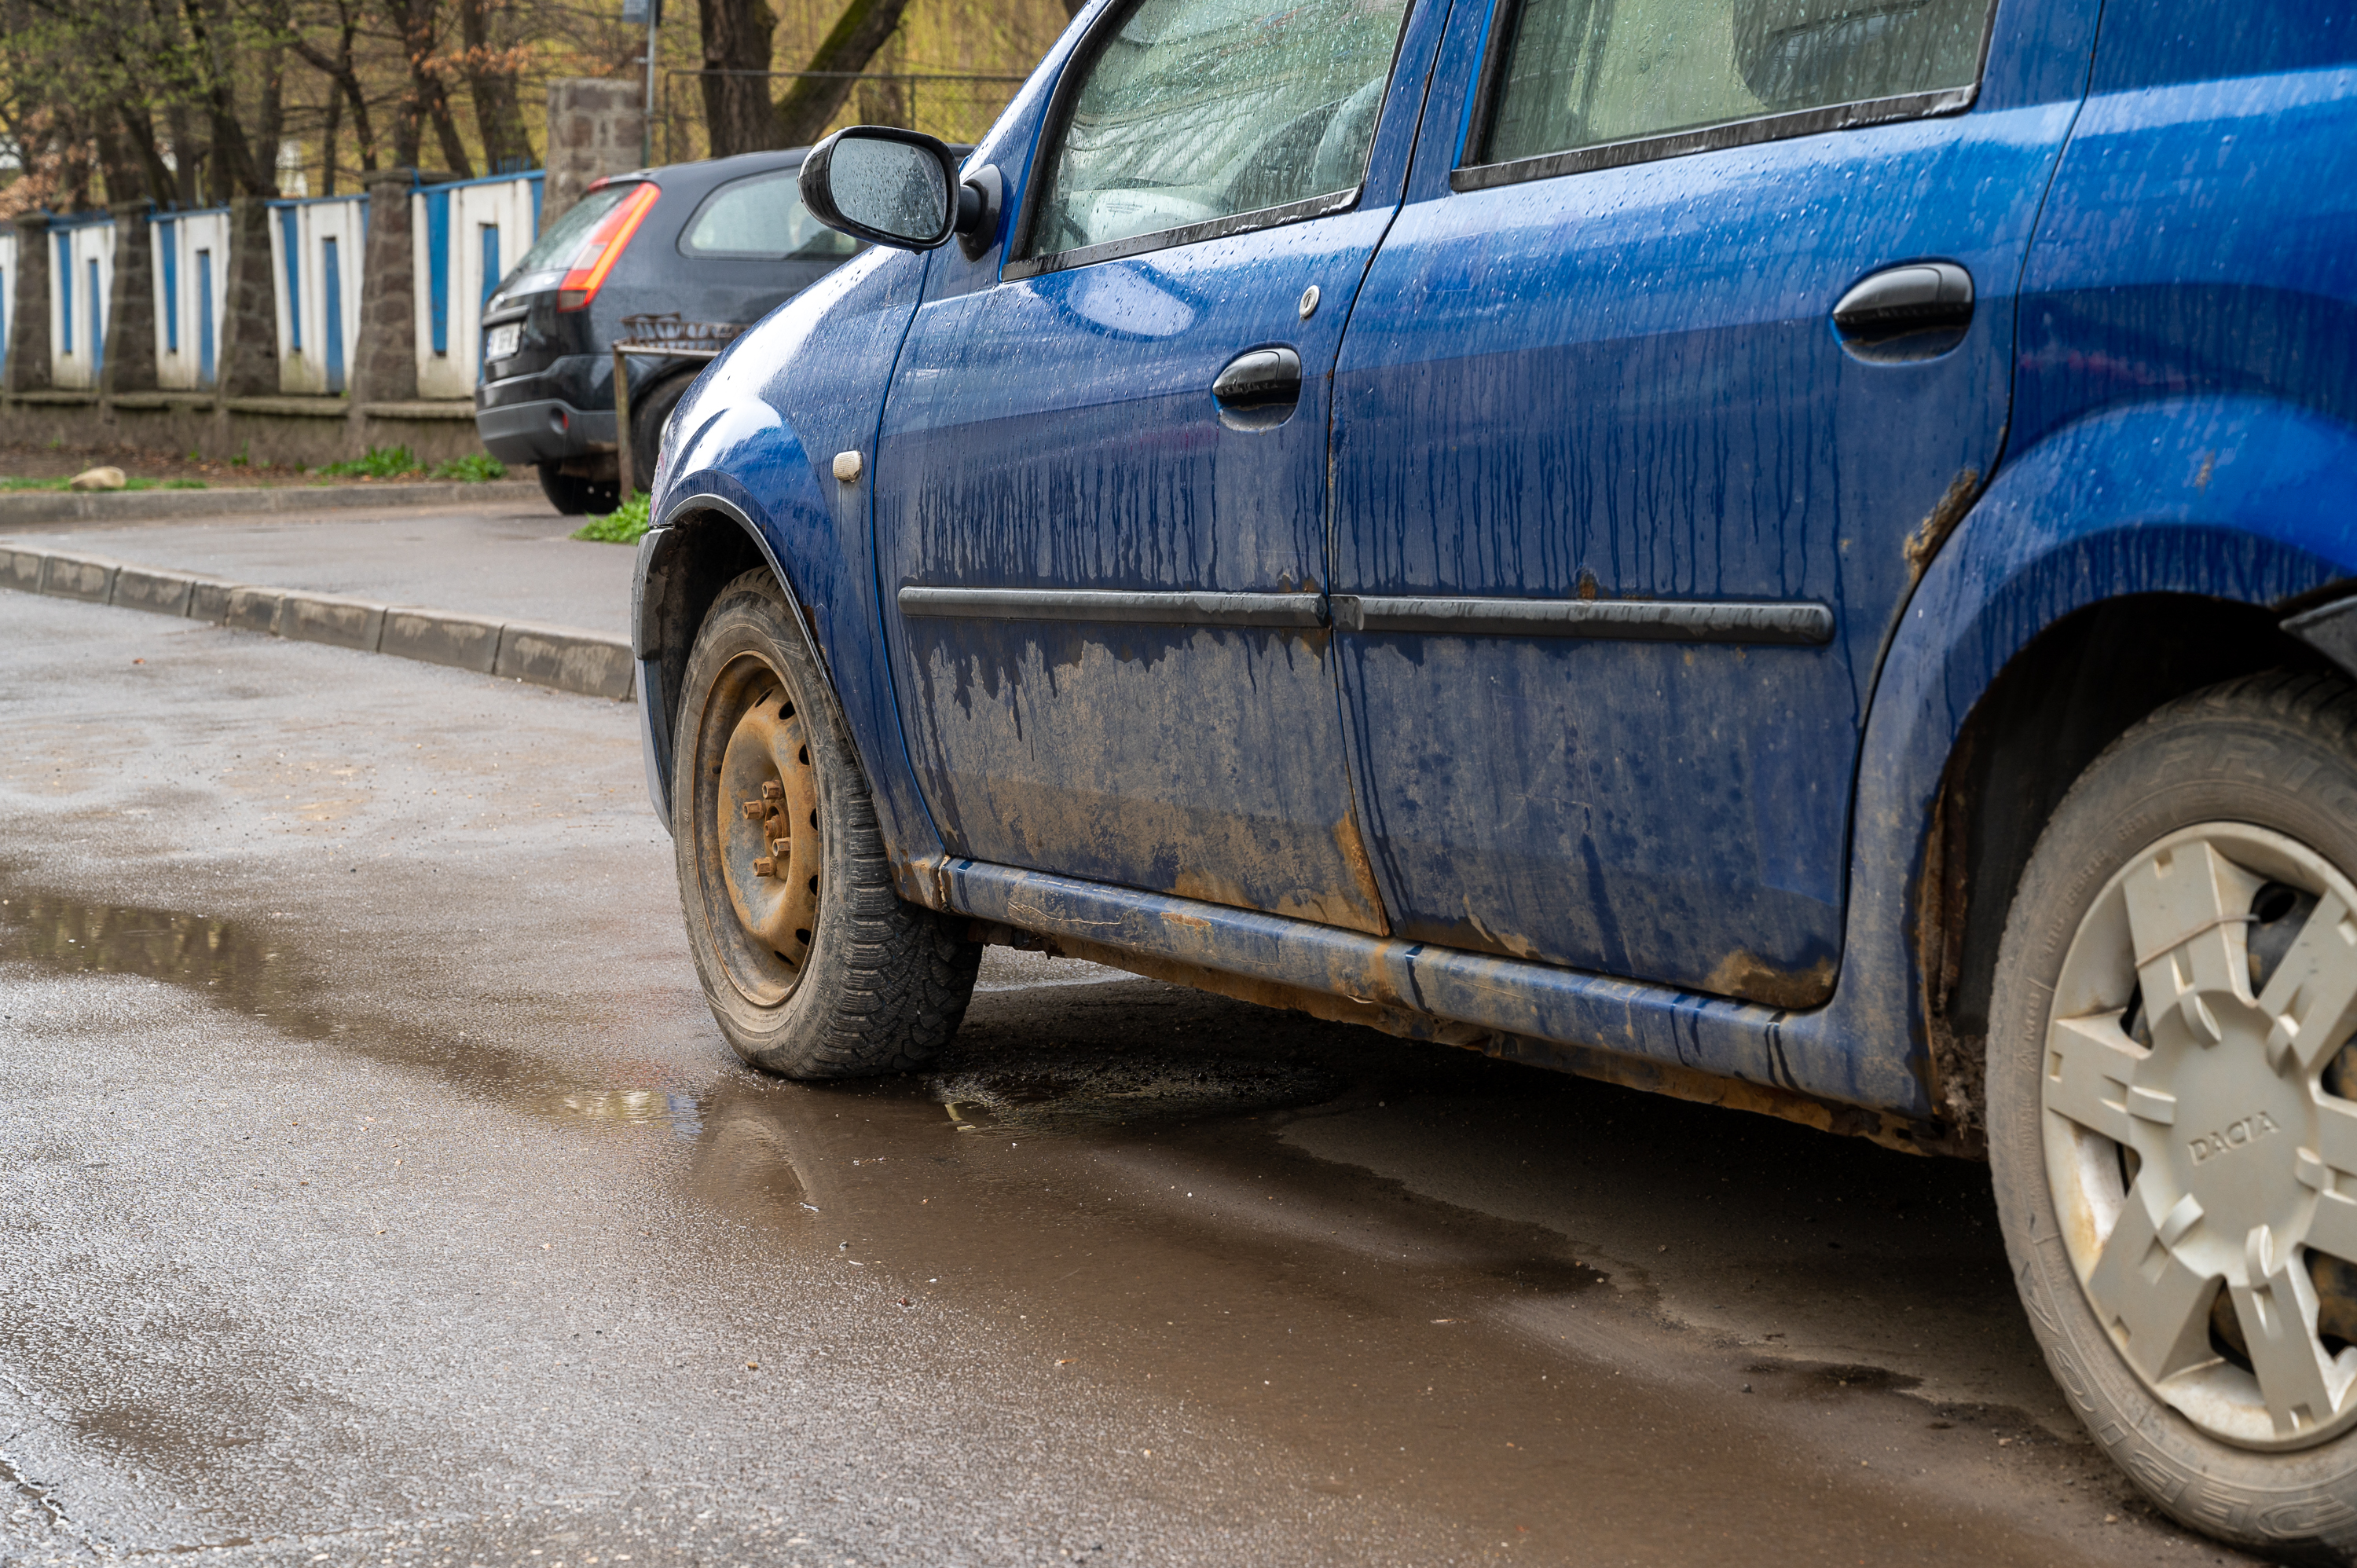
(773, 790)
(764, 866)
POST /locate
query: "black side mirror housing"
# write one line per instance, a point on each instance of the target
(900, 189)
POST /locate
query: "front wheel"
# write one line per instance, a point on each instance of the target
(2172, 1108)
(812, 965)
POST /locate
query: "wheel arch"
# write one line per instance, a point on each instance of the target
(2122, 561)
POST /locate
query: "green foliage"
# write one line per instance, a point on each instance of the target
(8, 485)
(378, 463)
(474, 469)
(244, 455)
(624, 525)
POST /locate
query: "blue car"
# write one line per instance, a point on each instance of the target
(1801, 554)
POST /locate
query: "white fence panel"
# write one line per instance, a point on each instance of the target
(316, 247)
(191, 275)
(8, 287)
(467, 235)
(82, 270)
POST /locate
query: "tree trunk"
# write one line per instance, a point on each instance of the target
(736, 113)
(492, 82)
(186, 156)
(233, 167)
(413, 22)
(851, 43)
(331, 125)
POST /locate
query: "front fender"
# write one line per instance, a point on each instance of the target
(756, 446)
(2239, 499)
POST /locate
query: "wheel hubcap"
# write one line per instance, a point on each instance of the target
(2203, 1167)
(769, 836)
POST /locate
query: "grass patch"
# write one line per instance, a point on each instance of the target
(377, 463)
(474, 469)
(626, 524)
(128, 484)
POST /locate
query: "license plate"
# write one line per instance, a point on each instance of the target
(504, 341)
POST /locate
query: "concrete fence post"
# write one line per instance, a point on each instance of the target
(595, 127)
(249, 363)
(129, 361)
(29, 311)
(384, 358)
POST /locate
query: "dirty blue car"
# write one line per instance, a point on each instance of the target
(1801, 554)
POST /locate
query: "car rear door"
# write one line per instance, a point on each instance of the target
(1623, 517)
(1101, 480)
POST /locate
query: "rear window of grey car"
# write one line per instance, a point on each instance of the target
(1196, 110)
(1585, 73)
(564, 236)
(761, 217)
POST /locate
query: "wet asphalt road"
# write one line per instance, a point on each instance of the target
(377, 1190)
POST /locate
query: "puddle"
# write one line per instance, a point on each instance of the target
(1044, 1093)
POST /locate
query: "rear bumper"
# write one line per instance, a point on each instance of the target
(548, 430)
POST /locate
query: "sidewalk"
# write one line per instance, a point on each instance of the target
(496, 586)
(509, 559)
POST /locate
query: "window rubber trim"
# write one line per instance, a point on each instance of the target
(1711, 138)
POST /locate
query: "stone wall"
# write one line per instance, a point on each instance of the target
(597, 126)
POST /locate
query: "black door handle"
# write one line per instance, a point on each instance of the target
(1259, 389)
(1908, 312)
(1262, 377)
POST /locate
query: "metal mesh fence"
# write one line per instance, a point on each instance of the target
(956, 108)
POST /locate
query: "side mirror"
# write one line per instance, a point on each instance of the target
(885, 186)
(900, 188)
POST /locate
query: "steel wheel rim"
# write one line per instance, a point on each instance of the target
(764, 818)
(2203, 1167)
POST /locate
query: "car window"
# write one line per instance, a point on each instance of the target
(564, 236)
(761, 215)
(1198, 109)
(1578, 73)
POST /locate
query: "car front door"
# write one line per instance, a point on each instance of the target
(1690, 342)
(1101, 480)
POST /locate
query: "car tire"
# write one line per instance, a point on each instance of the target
(813, 964)
(573, 496)
(647, 420)
(2152, 1151)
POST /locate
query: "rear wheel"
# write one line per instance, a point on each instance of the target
(812, 965)
(647, 420)
(573, 496)
(2172, 1106)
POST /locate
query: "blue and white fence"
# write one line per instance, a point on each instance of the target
(316, 247)
(81, 271)
(467, 235)
(191, 296)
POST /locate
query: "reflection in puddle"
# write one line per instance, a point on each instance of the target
(242, 970)
(686, 1118)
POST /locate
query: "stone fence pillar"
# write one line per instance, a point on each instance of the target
(28, 312)
(597, 126)
(248, 355)
(129, 363)
(384, 361)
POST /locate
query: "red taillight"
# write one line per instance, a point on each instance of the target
(603, 248)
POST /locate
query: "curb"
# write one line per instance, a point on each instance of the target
(565, 657)
(154, 506)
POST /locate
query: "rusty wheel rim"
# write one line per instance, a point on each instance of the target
(2201, 1132)
(765, 828)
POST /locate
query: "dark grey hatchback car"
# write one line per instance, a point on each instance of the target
(724, 240)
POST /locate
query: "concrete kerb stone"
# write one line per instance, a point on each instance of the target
(161, 593)
(331, 619)
(253, 610)
(440, 637)
(89, 577)
(566, 658)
